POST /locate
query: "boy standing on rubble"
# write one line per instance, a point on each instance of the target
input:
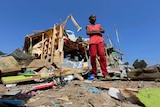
(96, 46)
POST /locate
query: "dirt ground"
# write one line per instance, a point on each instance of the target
(76, 93)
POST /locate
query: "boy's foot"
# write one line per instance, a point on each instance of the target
(91, 77)
(105, 78)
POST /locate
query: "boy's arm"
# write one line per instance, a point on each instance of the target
(99, 32)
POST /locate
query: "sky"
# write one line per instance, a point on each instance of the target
(137, 23)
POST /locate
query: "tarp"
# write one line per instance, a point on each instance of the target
(149, 97)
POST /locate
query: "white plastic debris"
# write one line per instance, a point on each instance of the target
(10, 85)
(115, 93)
(69, 78)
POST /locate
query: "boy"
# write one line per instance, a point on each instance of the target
(96, 46)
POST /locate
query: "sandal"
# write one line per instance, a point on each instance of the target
(105, 78)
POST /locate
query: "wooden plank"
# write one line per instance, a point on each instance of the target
(60, 45)
(42, 54)
(53, 42)
(68, 71)
(49, 46)
(22, 78)
(38, 63)
(30, 46)
(45, 48)
(37, 48)
(16, 79)
(61, 42)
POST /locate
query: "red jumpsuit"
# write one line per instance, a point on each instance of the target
(96, 47)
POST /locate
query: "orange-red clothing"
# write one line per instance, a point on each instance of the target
(95, 39)
(97, 47)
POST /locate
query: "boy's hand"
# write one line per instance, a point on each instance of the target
(97, 31)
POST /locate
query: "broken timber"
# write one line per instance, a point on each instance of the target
(46, 45)
(22, 78)
(148, 73)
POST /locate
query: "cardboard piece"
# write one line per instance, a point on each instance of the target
(9, 64)
(38, 63)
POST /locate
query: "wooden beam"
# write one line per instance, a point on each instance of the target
(53, 41)
(42, 46)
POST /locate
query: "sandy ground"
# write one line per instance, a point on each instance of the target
(76, 93)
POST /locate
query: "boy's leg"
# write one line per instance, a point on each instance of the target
(103, 64)
(93, 52)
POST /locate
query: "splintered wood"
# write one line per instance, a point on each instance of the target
(47, 45)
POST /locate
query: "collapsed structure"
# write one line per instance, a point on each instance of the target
(58, 51)
(59, 47)
(56, 43)
(49, 44)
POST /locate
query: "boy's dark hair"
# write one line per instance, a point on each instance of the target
(92, 16)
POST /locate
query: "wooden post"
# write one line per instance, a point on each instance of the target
(30, 47)
(53, 41)
(60, 44)
(42, 54)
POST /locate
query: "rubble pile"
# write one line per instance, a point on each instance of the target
(54, 66)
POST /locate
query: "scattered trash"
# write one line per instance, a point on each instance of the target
(54, 103)
(12, 93)
(93, 89)
(88, 81)
(33, 99)
(81, 94)
(57, 56)
(115, 93)
(13, 102)
(27, 94)
(64, 98)
(10, 85)
(29, 73)
(68, 103)
(72, 64)
(68, 77)
(78, 76)
(42, 86)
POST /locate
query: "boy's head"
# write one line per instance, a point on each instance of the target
(92, 19)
